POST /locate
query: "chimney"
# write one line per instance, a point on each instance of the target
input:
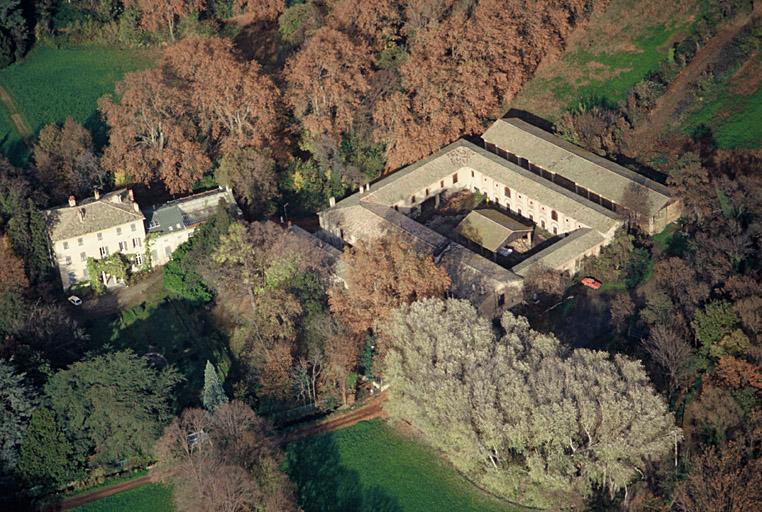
(367, 187)
(331, 202)
(131, 195)
(136, 207)
(97, 194)
(362, 188)
(72, 201)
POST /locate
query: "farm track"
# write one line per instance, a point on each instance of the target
(17, 118)
(82, 499)
(373, 409)
(660, 117)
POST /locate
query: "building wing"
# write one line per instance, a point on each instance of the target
(588, 171)
(490, 228)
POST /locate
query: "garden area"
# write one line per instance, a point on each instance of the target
(51, 83)
(370, 467)
(148, 498)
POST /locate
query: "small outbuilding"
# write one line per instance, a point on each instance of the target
(493, 230)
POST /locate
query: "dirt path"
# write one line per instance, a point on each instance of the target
(372, 409)
(16, 118)
(661, 116)
(82, 499)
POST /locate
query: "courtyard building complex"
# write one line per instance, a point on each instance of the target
(574, 201)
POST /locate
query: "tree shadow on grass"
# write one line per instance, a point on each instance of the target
(325, 485)
(98, 128)
(170, 332)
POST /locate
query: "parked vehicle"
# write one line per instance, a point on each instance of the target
(591, 282)
(75, 300)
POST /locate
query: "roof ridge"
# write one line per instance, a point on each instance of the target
(125, 210)
(585, 154)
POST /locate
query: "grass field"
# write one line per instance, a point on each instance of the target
(369, 467)
(733, 109)
(617, 49)
(149, 498)
(53, 83)
(10, 139)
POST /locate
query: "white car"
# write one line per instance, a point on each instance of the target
(75, 300)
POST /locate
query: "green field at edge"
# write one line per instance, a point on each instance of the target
(148, 498)
(50, 84)
(370, 467)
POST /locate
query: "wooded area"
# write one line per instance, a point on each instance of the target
(644, 395)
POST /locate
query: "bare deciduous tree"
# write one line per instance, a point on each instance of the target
(223, 462)
(668, 350)
(637, 205)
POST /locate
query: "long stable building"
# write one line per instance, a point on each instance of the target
(534, 175)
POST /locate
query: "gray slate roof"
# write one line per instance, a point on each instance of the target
(188, 212)
(593, 172)
(91, 215)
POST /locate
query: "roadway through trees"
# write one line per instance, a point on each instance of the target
(371, 410)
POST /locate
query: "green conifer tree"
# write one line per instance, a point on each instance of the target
(214, 395)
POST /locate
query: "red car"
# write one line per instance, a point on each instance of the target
(591, 282)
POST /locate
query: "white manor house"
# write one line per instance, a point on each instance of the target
(105, 224)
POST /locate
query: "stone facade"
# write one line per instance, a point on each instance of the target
(173, 223)
(95, 228)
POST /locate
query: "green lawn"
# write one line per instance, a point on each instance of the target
(149, 498)
(53, 83)
(617, 49)
(626, 68)
(735, 119)
(11, 144)
(175, 331)
(369, 467)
